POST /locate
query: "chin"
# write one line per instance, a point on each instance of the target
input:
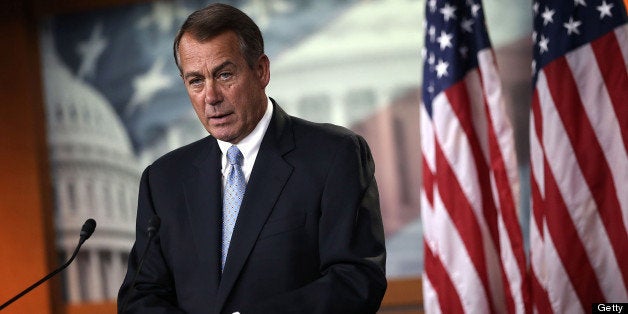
(223, 137)
(220, 133)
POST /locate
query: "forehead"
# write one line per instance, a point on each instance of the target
(217, 49)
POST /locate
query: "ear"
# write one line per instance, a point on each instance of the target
(262, 70)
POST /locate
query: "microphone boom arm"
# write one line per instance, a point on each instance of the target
(86, 232)
(153, 227)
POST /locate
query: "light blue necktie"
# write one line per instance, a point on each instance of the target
(235, 185)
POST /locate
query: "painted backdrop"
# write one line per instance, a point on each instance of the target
(115, 103)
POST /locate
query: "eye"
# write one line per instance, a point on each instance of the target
(195, 81)
(223, 76)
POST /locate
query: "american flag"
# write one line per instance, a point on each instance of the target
(579, 160)
(474, 255)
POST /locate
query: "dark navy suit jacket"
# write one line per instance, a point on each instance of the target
(308, 238)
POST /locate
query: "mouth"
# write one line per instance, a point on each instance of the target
(220, 118)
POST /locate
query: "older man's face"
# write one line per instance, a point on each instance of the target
(227, 95)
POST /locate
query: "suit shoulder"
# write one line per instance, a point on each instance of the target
(328, 136)
(330, 144)
(182, 156)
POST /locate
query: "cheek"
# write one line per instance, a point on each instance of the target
(196, 99)
(198, 105)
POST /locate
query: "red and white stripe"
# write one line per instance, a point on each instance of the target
(579, 176)
(474, 257)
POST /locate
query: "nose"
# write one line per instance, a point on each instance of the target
(213, 96)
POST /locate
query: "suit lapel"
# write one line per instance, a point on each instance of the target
(203, 193)
(269, 175)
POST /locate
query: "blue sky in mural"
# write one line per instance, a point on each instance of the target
(126, 52)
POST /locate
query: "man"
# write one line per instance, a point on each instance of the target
(298, 228)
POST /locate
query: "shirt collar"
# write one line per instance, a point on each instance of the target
(251, 143)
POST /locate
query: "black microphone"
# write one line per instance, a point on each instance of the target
(86, 231)
(153, 227)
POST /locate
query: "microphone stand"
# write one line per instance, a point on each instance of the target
(84, 236)
(153, 227)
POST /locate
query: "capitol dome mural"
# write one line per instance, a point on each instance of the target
(95, 175)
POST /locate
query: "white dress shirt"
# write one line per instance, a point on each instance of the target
(249, 146)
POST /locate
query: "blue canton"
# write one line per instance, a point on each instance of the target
(561, 26)
(454, 33)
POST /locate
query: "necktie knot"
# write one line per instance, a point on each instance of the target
(234, 156)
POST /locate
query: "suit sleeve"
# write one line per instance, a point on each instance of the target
(351, 242)
(154, 292)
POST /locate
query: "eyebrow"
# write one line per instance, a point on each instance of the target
(213, 71)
